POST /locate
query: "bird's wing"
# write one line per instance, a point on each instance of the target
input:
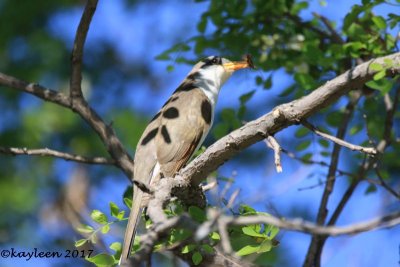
(182, 127)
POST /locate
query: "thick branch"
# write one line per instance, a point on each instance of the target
(57, 154)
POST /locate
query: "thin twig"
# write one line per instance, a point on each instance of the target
(335, 36)
(368, 150)
(274, 145)
(385, 185)
(299, 225)
(310, 161)
(46, 152)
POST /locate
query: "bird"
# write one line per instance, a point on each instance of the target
(177, 131)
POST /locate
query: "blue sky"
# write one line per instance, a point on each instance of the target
(149, 29)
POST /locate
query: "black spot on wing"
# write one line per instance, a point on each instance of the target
(206, 111)
(165, 134)
(149, 136)
(156, 116)
(171, 113)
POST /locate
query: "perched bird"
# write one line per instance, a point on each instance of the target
(177, 131)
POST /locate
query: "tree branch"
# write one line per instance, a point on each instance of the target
(77, 51)
(57, 154)
(368, 150)
(35, 89)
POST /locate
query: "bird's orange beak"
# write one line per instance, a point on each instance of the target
(237, 65)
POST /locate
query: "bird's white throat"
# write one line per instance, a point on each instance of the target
(210, 82)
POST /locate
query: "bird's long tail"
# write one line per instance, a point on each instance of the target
(133, 222)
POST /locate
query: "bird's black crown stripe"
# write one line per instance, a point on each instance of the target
(211, 61)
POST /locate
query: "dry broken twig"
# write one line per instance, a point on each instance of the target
(57, 154)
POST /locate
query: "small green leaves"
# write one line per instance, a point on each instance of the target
(128, 202)
(188, 248)
(105, 229)
(80, 242)
(86, 229)
(215, 236)
(379, 22)
(303, 145)
(248, 249)
(197, 214)
(98, 217)
(197, 258)
(251, 230)
(379, 75)
(375, 66)
(102, 260)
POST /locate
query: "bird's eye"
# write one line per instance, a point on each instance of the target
(214, 60)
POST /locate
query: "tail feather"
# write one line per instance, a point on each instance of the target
(133, 222)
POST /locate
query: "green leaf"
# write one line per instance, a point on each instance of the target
(102, 260)
(120, 215)
(215, 236)
(265, 246)
(250, 231)
(307, 156)
(379, 22)
(259, 80)
(355, 129)
(99, 217)
(268, 83)
(273, 232)
(302, 131)
(170, 68)
(188, 248)
(87, 229)
(202, 25)
(197, 214)
(375, 66)
(379, 75)
(128, 202)
(114, 210)
(105, 229)
(246, 210)
(305, 80)
(249, 249)
(383, 85)
(207, 248)
(80, 242)
(297, 7)
(197, 258)
(246, 97)
(323, 143)
(370, 189)
(303, 145)
(116, 246)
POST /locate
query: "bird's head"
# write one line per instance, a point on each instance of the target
(218, 69)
